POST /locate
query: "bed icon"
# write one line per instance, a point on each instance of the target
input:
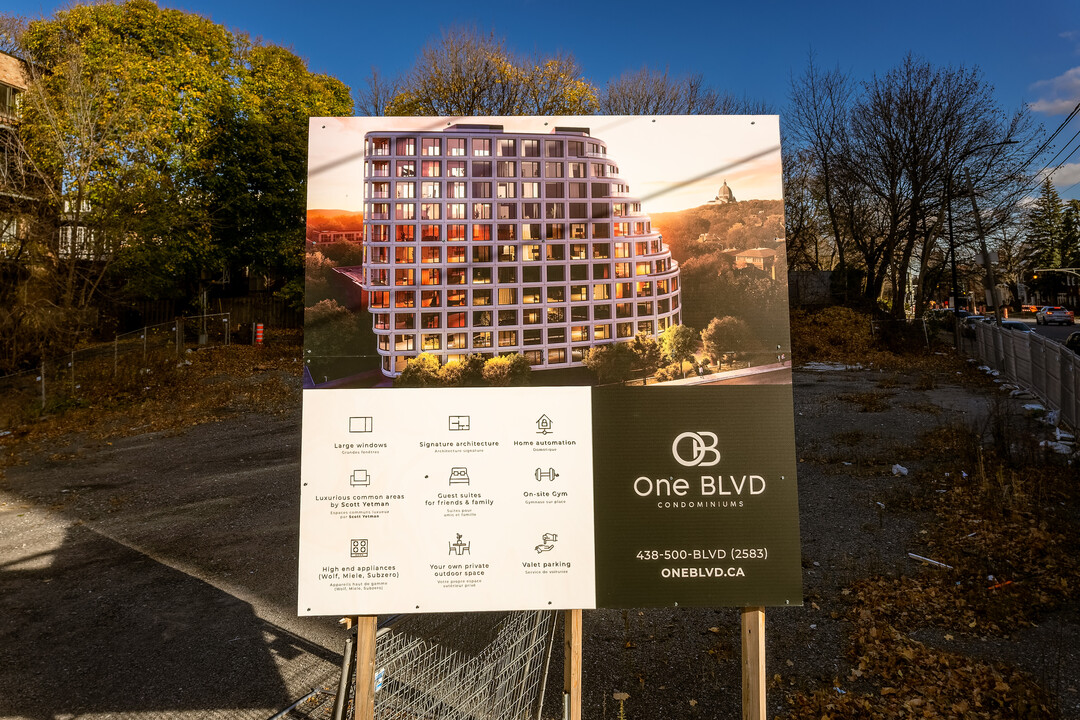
(459, 476)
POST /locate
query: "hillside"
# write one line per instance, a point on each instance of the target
(740, 225)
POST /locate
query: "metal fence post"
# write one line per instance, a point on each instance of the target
(42, 386)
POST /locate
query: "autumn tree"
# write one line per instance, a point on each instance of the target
(728, 335)
(465, 72)
(420, 371)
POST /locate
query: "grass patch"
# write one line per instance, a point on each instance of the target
(868, 402)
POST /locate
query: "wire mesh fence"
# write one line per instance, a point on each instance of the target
(423, 676)
(1043, 366)
(67, 379)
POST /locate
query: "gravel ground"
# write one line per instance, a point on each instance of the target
(155, 576)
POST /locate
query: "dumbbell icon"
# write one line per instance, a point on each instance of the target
(549, 474)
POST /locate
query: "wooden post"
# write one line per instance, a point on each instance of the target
(366, 626)
(572, 665)
(753, 663)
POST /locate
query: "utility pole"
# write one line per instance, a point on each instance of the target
(990, 280)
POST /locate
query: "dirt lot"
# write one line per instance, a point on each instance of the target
(153, 575)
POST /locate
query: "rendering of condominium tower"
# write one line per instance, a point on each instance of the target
(481, 241)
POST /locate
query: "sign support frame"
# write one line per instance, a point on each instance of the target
(752, 623)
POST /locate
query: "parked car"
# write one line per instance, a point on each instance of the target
(967, 326)
(1054, 314)
(1073, 342)
(1016, 325)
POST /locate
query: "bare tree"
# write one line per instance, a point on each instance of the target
(656, 92)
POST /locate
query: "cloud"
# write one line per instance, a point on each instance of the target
(1067, 176)
(1058, 96)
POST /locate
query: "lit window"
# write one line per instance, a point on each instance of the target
(530, 169)
(507, 253)
(481, 233)
(556, 356)
(456, 190)
(456, 320)
(455, 146)
(405, 168)
(456, 211)
(579, 293)
(403, 299)
(404, 343)
(429, 276)
(455, 298)
(506, 168)
(532, 317)
(405, 276)
(430, 211)
(380, 168)
(379, 299)
(507, 338)
(429, 254)
(455, 168)
(508, 296)
(481, 211)
(431, 341)
(481, 276)
(455, 253)
(532, 337)
(530, 252)
(380, 146)
(404, 211)
(430, 190)
(455, 276)
(507, 148)
(531, 295)
(456, 341)
(553, 170)
(430, 146)
(601, 291)
(382, 322)
(507, 190)
(406, 146)
(481, 146)
(430, 298)
(430, 321)
(531, 231)
(431, 168)
(481, 339)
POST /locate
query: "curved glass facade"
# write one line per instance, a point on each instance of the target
(480, 241)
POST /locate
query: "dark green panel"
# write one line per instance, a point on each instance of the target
(653, 513)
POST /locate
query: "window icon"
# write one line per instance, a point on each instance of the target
(360, 424)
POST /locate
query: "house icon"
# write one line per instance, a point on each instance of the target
(543, 425)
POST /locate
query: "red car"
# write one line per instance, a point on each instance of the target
(1054, 314)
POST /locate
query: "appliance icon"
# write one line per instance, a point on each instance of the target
(459, 476)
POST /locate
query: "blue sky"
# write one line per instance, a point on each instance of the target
(1029, 51)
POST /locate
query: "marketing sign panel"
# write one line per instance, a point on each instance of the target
(546, 366)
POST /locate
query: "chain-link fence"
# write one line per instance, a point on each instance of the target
(68, 379)
(1045, 367)
(478, 666)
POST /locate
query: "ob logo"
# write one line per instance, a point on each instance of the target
(701, 449)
